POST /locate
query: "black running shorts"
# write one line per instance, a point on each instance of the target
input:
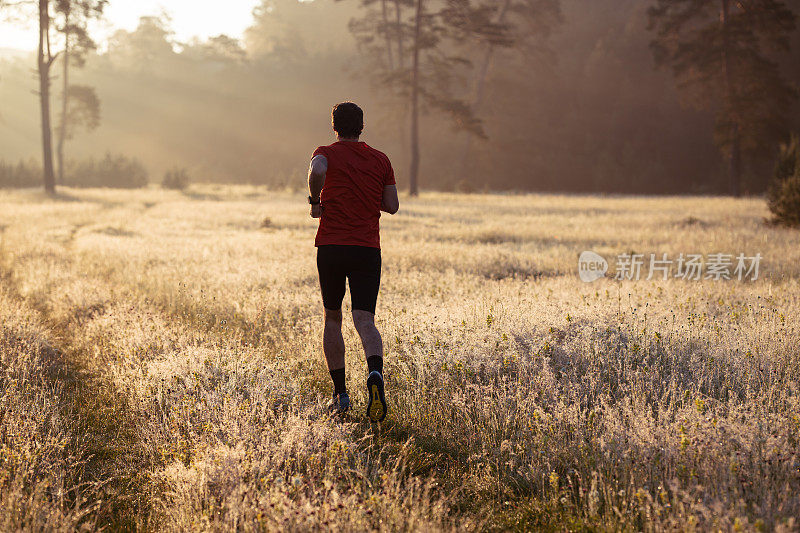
(361, 266)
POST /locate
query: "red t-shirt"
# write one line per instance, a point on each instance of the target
(352, 195)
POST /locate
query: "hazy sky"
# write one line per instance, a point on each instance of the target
(189, 18)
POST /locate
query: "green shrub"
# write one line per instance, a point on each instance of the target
(789, 159)
(20, 175)
(783, 197)
(176, 179)
(113, 171)
(784, 201)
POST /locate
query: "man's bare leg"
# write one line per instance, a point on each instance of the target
(370, 337)
(332, 340)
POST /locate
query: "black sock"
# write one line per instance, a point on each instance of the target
(337, 376)
(375, 364)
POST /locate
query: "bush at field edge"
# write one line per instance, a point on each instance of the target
(176, 179)
(783, 197)
(115, 171)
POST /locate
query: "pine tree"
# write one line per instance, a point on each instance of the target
(429, 31)
(79, 103)
(722, 53)
(529, 23)
(74, 33)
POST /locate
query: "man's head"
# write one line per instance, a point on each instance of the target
(348, 120)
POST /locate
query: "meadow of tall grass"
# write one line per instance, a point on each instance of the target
(189, 324)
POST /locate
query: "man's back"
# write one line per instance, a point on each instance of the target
(351, 198)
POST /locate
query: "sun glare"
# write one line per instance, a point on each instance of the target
(17, 36)
(187, 19)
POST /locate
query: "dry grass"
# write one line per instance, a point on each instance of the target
(40, 447)
(520, 397)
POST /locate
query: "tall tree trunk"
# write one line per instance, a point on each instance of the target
(480, 85)
(398, 26)
(62, 131)
(735, 156)
(399, 29)
(386, 34)
(45, 61)
(736, 163)
(413, 185)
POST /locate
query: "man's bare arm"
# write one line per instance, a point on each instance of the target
(316, 175)
(390, 202)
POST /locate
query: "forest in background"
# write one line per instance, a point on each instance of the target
(582, 107)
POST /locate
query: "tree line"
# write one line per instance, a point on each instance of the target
(723, 54)
(449, 58)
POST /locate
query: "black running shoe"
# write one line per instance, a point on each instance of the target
(340, 404)
(376, 408)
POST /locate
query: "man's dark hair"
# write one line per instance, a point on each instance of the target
(348, 120)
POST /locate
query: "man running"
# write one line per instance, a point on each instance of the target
(350, 183)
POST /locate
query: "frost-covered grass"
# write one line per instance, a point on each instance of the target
(519, 396)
